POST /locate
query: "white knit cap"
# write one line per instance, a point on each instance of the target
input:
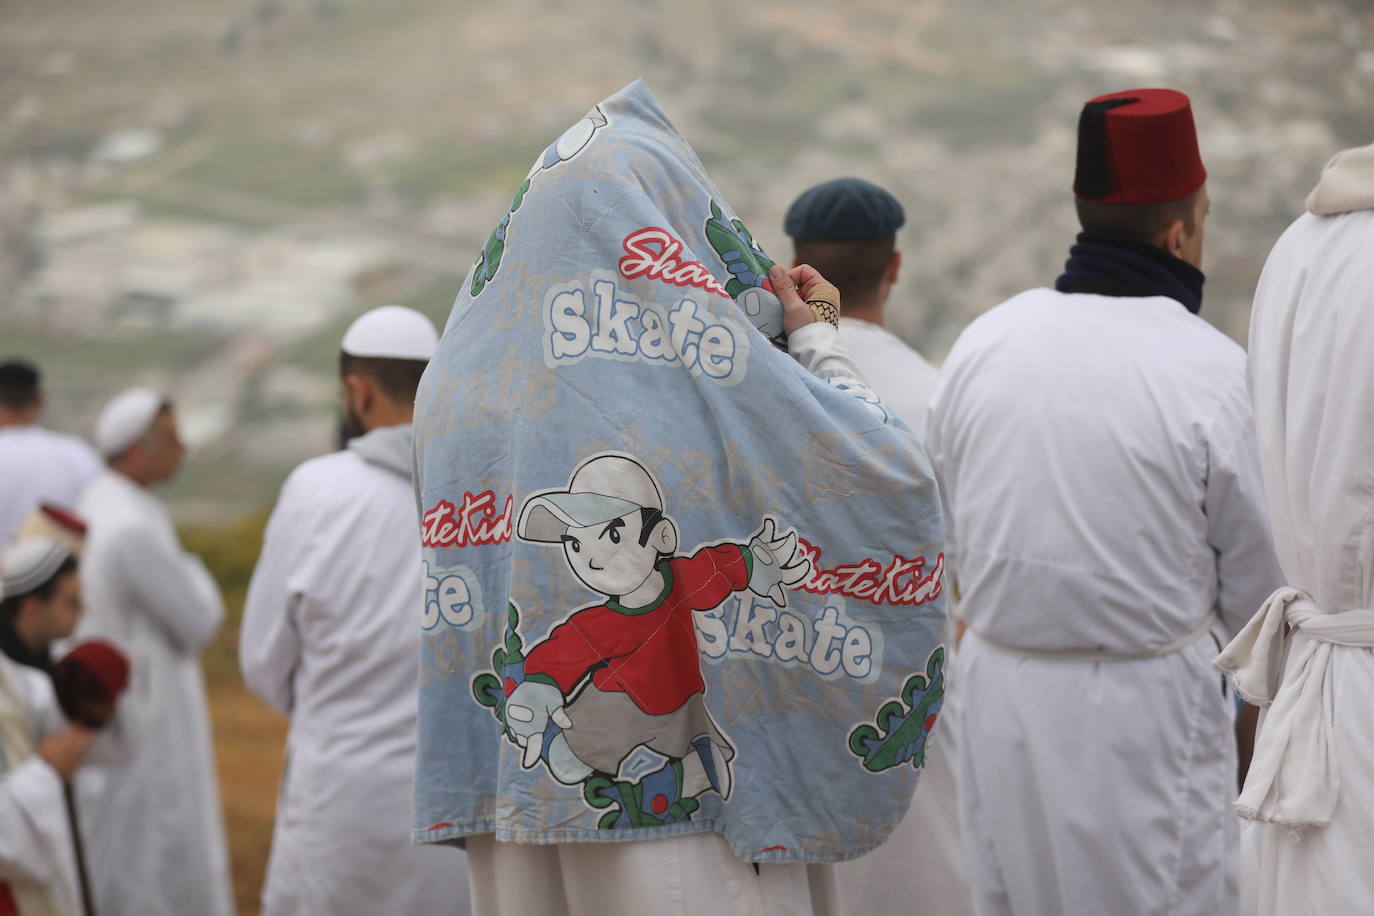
(391, 332)
(29, 562)
(126, 419)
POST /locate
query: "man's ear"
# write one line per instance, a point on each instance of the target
(1171, 239)
(360, 391)
(664, 537)
(894, 267)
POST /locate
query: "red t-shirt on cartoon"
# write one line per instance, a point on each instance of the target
(648, 653)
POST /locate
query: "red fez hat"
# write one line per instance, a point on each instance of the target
(103, 661)
(1138, 147)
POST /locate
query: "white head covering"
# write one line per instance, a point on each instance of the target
(29, 562)
(391, 332)
(126, 419)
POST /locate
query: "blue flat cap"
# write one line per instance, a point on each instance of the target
(843, 210)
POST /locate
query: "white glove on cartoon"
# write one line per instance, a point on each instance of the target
(778, 563)
(528, 710)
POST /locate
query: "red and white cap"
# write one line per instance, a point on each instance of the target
(30, 562)
(1138, 147)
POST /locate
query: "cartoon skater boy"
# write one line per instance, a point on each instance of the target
(634, 656)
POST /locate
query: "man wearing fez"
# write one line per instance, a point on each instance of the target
(50, 716)
(328, 639)
(1106, 525)
(1308, 656)
(846, 229)
(153, 830)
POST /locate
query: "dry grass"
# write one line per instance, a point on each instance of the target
(249, 740)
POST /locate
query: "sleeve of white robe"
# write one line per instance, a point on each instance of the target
(32, 822)
(817, 347)
(171, 586)
(269, 638)
(1237, 514)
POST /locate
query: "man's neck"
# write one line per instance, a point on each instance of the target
(129, 475)
(388, 415)
(10, 418)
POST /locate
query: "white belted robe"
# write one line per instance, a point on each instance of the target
(1309, 795)
(1106, 526)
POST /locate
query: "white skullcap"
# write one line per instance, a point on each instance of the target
(126, 419)
(391, 332)
(29, 562)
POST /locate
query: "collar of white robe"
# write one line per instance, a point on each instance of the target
(1293, 779)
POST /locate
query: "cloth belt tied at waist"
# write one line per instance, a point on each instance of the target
(1294, 780)
(1100, 655)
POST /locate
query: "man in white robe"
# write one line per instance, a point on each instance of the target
(154, 830)
(846, 229)
(37, 465)
(328, 639)
(1095, 449)
(40, 750)
(1308, 796)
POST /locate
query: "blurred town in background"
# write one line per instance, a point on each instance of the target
(201, 195)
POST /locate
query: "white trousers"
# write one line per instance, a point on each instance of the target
(693, 875)
(922, 869)
(1097, 788)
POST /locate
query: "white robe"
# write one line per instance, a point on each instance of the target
(1312, 381)
(897, 373)
(329, 638)
(924, 859)
(36, 856)
(154, 830)
(40, 466)
(1097, 460)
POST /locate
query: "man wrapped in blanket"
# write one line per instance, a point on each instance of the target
(683, 570)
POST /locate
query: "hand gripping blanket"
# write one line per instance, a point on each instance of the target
(673, 581)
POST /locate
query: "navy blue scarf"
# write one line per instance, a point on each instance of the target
(1111, 267)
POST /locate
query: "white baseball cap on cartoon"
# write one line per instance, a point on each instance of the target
(603, 488)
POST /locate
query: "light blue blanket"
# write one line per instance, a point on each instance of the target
(674, 582)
